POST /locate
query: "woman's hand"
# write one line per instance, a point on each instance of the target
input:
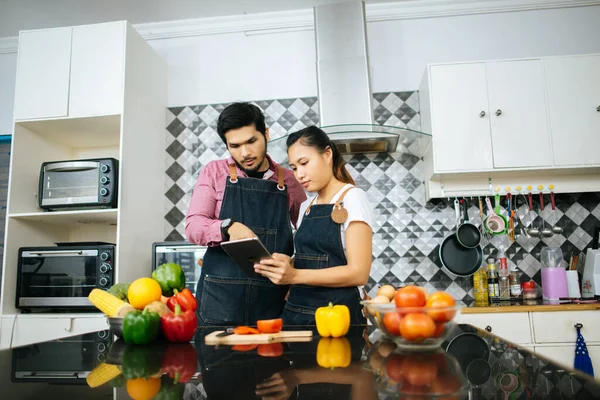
(280, 269)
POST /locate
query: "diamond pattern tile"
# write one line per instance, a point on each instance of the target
(407, 231)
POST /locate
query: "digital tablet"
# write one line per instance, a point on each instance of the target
(246, 253)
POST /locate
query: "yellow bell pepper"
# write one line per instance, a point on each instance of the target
(334, 352)
(332, 320)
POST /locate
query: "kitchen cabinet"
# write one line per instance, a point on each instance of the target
(573, 95)
(513, 327)
(460, 118)
(518, 117)
(42, 82)
(97, 57)
(120, 114)
(70, 72)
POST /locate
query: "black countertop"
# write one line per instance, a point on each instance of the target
(470, 364)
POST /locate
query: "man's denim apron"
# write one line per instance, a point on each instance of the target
(226, 296)
(319, 245)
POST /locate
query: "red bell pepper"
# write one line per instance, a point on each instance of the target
(185, 299)
(179, 326)
(180, 362)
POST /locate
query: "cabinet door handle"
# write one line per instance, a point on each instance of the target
(498, 112)
(488, 328)
(482, 114)
(598, 108)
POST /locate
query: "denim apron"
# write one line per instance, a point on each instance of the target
(318, 245)
(226, 296)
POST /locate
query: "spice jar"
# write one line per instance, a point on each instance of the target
(515, 282)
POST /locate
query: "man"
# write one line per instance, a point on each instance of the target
(244, 196)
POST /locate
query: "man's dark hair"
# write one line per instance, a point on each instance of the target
(238, 115)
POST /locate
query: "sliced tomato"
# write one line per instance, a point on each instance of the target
(270, 325)
(270, 350)
(245, 330)
(244, 347)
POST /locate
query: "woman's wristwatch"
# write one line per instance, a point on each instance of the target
(225, 225)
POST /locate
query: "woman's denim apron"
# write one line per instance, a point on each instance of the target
(319, 245)
(226, 296)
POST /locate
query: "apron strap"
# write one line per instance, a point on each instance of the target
(232, 174)
(338, 204)
(280, 181)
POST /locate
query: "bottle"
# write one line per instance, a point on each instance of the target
(493, 289)
(502, 263)
(515, 282)
(504, 287)
(480, 287)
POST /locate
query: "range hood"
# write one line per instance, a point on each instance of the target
(344, 84)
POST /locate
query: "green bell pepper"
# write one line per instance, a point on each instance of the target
(170, 390)
(140, 327)
(140, 361)
(169, 276)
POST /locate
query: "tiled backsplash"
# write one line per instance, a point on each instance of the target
(407, 230)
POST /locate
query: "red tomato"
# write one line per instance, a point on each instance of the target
(420, 371)
(410, 296)
(395, 367)
(269, 325)
(416, 326)
(528, 285)
(439, 329)
(441, 300)
(391, 321)
(270, 350)
(244, 347)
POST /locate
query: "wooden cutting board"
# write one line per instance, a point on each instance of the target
(283, 336)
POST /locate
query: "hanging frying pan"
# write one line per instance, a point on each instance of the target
(468, 235)
(456, 258)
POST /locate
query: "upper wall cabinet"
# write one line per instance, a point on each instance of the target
(500, 116)
(70, 72)
(573, 93)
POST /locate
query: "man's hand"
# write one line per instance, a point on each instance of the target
(278, 387)
(240, 231)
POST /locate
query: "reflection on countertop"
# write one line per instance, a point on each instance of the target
(361, 365)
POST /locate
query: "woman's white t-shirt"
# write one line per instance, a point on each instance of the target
(355, 202)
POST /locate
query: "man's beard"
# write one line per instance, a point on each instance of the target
(255, 168)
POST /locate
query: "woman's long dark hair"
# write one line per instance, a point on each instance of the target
(315, 137)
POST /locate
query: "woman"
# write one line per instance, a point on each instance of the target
(333, 244)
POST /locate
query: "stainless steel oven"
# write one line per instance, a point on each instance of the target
(79, 184)
(62, 277)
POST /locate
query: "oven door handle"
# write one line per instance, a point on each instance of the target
(71, 166)
(51, 253)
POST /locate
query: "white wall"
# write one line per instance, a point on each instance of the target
(233, 66)
(8, 68)
(400, 50)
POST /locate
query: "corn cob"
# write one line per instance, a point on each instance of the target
(106, 302)
(102, 374)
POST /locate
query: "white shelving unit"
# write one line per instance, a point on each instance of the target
(115, 100)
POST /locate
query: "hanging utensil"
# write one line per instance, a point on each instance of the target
(485, 237)
(556, 229)
(511, 221)
(533, 231)
(468, 235)
(494, 223)
(520, 223)
(546, 232)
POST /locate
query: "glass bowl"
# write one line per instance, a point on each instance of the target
(371, 313)
(414, 327)
(424, 374)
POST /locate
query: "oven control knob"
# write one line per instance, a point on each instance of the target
(104, 192)
(102, 334)
(104, 180)
(105, 256)
(101, 347)
(104, 168)
(104, 268)
(103, 281)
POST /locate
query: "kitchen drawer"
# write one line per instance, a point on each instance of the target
(565, 354)
(558, 327)
(513, 327)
